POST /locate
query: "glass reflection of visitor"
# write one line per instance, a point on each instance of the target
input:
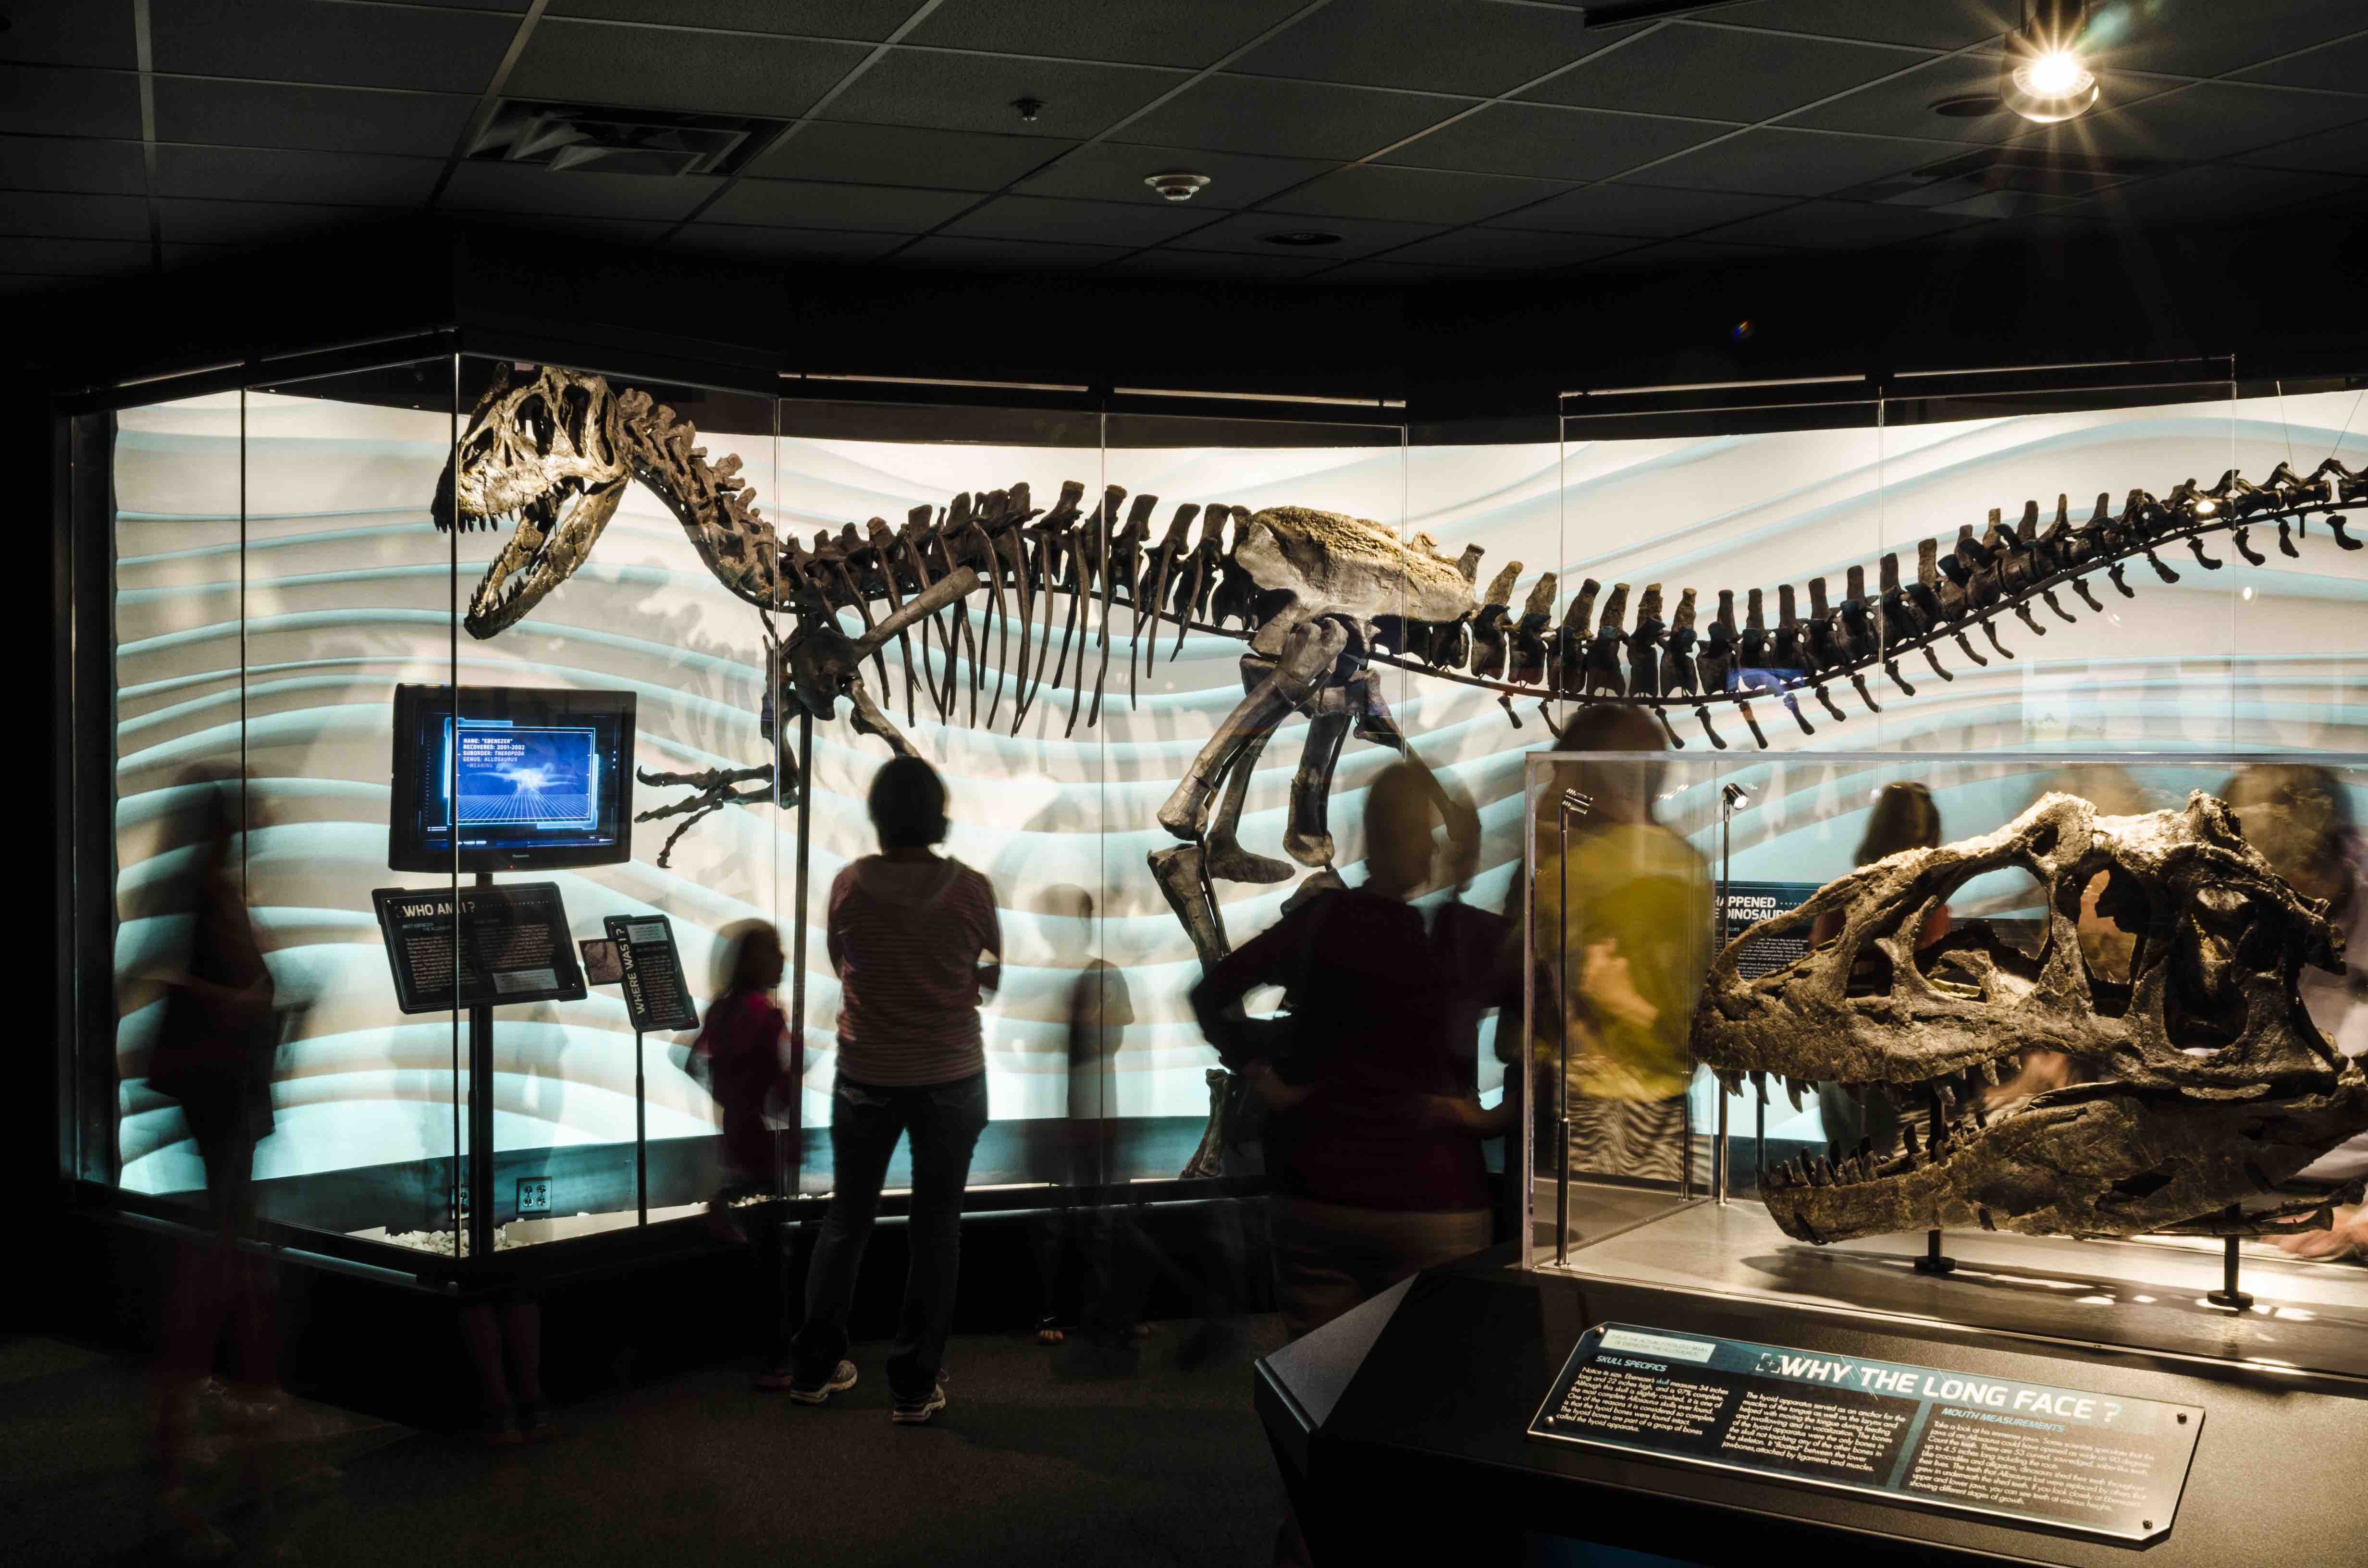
(1638, 901)
(2300, 818)
(744, 1055)
(1904, 817)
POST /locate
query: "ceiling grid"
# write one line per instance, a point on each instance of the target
(1464, 140)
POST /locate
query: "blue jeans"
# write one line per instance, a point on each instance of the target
(945, 1120)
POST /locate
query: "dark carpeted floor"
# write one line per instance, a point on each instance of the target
(1033, 1463)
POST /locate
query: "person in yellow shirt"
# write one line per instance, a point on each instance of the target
(1638, 898)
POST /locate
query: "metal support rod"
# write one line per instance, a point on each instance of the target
(1562, 1051)
(798, 950)
(1721, 1174)
(481, 1119)
(1933, 1262)
(640, 1135)
(2229, 1295)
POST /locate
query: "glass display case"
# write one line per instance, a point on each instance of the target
(1672, 1146)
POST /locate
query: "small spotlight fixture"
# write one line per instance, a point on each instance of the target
(1177, 185)
(1029, 107)
(1732, 797)
(1302, 237)
(2044, 78)
(1574, 804)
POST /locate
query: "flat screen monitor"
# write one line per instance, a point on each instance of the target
(520, 778)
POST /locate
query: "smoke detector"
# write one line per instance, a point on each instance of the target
(1177, 185)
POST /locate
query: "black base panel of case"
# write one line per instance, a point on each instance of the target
(1401, 1428)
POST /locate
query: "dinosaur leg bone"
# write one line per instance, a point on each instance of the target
(1308, 656)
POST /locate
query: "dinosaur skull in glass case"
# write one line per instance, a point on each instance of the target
(2195, 1081)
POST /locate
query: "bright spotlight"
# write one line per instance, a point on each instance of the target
(2046, 80)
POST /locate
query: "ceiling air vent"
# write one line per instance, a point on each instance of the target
(590, 138)
(2004, 182)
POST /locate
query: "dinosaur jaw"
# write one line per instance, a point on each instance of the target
(553, 535)
(2093, 1159)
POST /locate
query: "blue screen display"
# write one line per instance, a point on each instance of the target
(510, 780)
(519, 778)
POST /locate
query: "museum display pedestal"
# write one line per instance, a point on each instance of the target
(1403, 1425)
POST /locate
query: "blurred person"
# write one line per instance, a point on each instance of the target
(1372, 1142)
(511, 1399)
(2301, 820)
(916, 941)
(215, 1050)
(745, 1056)
(1081, 1219)
(1639, 902)
(1904, 817)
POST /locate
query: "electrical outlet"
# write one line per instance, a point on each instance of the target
(534, 1195)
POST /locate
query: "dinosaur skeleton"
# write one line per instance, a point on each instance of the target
(2199, 1081)
(1320, 597)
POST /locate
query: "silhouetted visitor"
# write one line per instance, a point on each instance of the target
(1078, 1222)
(915, 939)
(515, 1409)
(215, 1049)
(1638, 898)
(1904, 817)
(1372, 1142)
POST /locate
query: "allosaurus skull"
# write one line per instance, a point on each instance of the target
(528, 453)
(2197, 1081)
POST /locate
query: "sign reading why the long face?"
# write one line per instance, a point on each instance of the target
(2023, 1452)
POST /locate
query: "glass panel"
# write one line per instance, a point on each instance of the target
(179, 797)
(625, 585)
(2007, 1187)
(1011, 729)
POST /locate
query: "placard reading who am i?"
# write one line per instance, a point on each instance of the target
(2024, 1452)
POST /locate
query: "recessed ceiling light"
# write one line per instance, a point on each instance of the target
(1302, 237)
(1973, 105)
(2044, 78)
(1177, 185)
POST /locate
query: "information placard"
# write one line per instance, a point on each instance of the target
(500, 945)
(2020, 1451)
(656, 997)
(1746, 904)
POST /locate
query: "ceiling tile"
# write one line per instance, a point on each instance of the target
(1390, 271)
(1930, 24)
(766, 243)
(975, 92)
(818, 204)
(1143, 32)
(1415, 195)
(2211, 119)
(345, 119)
(1442, 46)
(57, 163)
(1793, 162)
(532, 187)
(1720, 73)
(1638, 210)
(1523, 248)
(1359, 237)
(1836, 225)
(306, 40)
(668, 68)
(2342, 152)
(1903, 106)
(623, 231)
(2208, 38)
(76, 215)
(1217, 266)
(2336, 67)
(71, 35)
(1688, 256)
(511, 5)
(56, 100)
(904, 154)
(251, 173)
(1077, 222)
(1114, 171)
(1296, 119)
(83, 258)
(238, 222)
(2217, 190)
(962, 250)
(1551, 143)
(871, 19)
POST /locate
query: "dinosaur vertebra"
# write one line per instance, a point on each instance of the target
(2198, 1080)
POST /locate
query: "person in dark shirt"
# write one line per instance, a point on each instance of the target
(1372, 1145)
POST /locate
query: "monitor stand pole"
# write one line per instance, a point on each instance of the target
(481, 1121)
